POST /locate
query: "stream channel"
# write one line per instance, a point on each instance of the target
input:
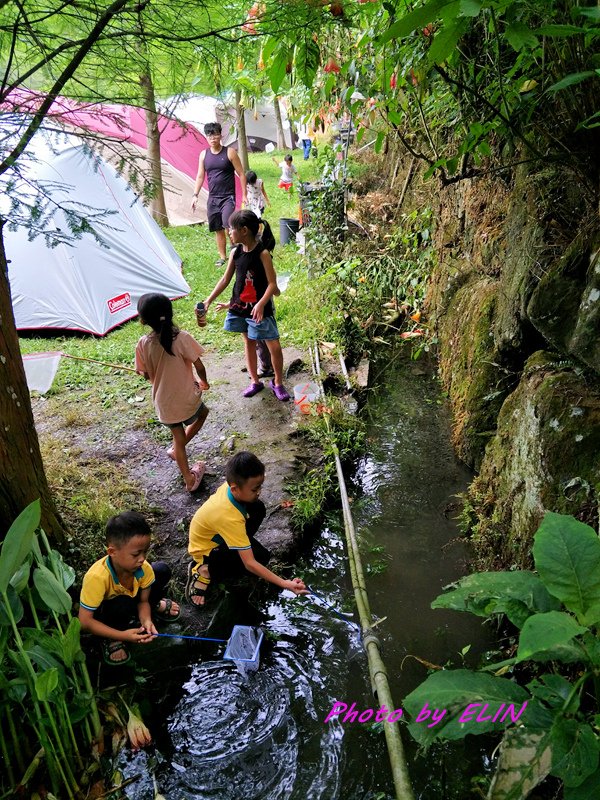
(227, 734)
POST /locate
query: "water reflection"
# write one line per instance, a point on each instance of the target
(225, 733)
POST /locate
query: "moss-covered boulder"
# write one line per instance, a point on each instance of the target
(545, 456)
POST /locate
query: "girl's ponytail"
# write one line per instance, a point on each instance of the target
(156, 310)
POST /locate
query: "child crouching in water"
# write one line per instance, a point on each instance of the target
(122, 592)
(166, 357)
(222, 531)
(250, 311)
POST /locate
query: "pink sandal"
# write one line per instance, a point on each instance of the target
(198, 470)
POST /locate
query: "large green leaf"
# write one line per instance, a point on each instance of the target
(21, 577)
(445, 41)
(470, 8)
(453, 691)
(561, 30)
(71, 646)
(277, 68)
(545, 632)
(13, 610)
(588, 790)
(415, 19)
(43, 658)
(64, 572)
(571, 80)
(46, 683)
(307, 61)
(567, 558)
(51, 643)
(555, 690)
(17, 690)
(575, 751)
(51, 591)
(17, 542)
(520, 37)
(516, 594)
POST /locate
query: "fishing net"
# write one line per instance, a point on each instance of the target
(244, 646)
(40, 369)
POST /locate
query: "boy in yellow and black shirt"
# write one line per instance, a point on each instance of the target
(222, 531)
(122, 591)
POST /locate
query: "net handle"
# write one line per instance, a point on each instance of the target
(196, 638)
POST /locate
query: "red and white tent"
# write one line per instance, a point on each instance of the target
(180, 144)
(83, 284)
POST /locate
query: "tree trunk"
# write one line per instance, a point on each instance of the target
(22, 478)
(281, 145)
(240, 121)
(158, 207)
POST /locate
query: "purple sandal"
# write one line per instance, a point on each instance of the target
(279, 392)
(253, 389)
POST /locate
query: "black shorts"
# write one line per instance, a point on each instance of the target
(218, 210)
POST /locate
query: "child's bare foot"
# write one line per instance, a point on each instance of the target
(166, 610)
(197, 585)
(114, 652)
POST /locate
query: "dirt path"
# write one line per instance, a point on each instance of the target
(261, 424)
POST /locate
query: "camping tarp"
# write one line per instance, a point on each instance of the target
(86, 285)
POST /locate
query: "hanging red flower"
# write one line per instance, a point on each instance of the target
(393, 81)
(331, 65)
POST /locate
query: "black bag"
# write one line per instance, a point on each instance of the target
(265, 234)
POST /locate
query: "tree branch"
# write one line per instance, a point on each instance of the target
(96, 32)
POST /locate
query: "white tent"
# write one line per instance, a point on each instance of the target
(86, 285)
(261, 127)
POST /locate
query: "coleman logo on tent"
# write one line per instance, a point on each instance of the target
(120, 301)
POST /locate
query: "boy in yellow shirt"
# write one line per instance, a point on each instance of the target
(122, 591)
(222, 531)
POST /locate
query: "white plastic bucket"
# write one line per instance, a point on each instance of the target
(304, 395)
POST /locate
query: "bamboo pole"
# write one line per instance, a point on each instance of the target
(95, 361)
(377, 669)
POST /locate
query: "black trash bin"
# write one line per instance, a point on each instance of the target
(288, 228)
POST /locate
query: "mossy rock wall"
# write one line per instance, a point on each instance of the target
(545, 456)
(468, 368)
(519, 274)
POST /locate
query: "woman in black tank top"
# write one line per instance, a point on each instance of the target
(219, 165)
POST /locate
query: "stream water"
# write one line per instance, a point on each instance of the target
(233, 734)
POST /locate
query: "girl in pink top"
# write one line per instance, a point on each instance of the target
(167, 358)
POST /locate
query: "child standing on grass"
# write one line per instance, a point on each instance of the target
(121, 592)
(250, 311)
(256, 194)
(166, 357)
(222, 531)
(288, 171)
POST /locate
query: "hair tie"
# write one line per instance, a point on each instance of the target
(161, 319)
